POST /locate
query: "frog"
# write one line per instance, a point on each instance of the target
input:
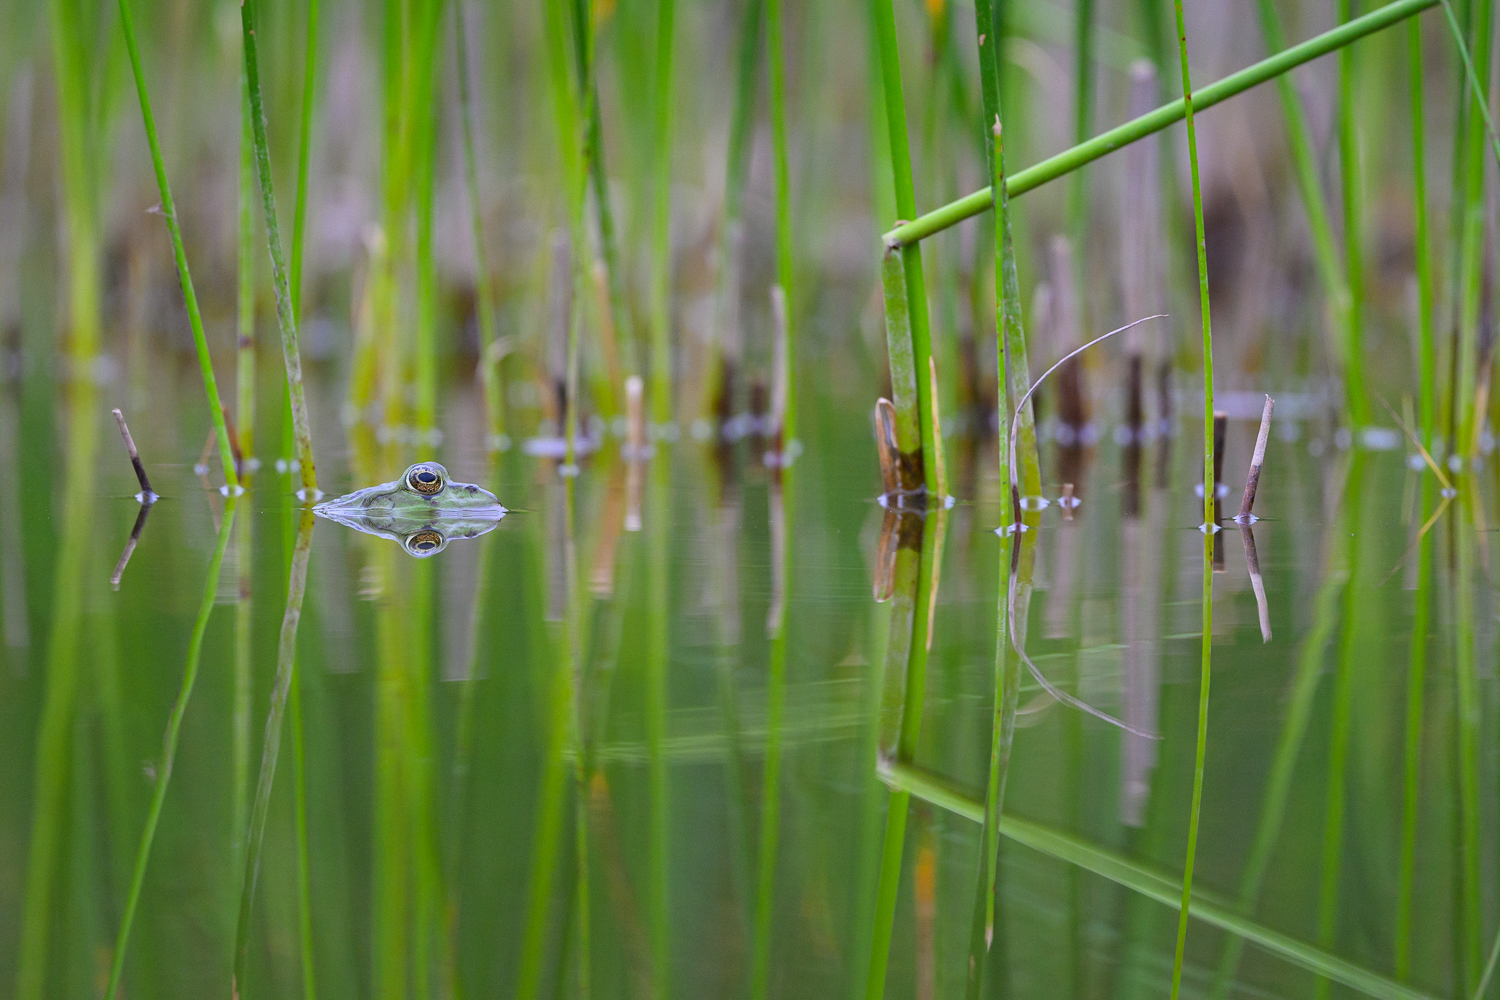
(423, 510)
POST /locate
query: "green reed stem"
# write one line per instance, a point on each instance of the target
(906, 779)
(290, 351)
(484, 291)
(169, 750)
(1307, 172)
(884, 16)
(71, 58)
(1108, 141)
(1426, 345)
(169, 212)
(1209, 500)
(304, 154)
(727, 352)
(776, 63)
(1472, 212)
(1015, 374)
(1083, 124)
(286, 658)
(245, 315)
(661, 217)
(1353, 203)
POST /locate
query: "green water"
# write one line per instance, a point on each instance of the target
(461, 715)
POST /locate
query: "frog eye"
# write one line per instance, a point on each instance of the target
(425, 543)
(425, 479)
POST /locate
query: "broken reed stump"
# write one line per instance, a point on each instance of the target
(886, 447)
(1252, 479)
(147, 493)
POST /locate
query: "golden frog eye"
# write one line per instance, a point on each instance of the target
(425, 480)
(424, 543)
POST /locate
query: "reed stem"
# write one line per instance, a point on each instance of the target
(169, 212)
(661, 219)
(1353, 199)
(290, 351)
(245, 305)
(484, 291)
(304, 154)
(786, 377)
(1209, 499)
(884, 15)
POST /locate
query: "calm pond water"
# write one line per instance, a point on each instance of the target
(574, 757)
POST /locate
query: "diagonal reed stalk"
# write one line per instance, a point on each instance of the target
(1064, 163)
(169, 750)
(1209, 499)
(290, 351)
(909, 780)
(484, 292)
(286, 658)
(918, 336)
(169, 212)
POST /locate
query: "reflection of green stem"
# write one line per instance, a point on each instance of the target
(1468, 742)
(169, 749)
(1283, 764)
(915, 684)
(244, 684)
(658, 653)
(1002, 732)
(169, 212)
(286, 655)
(907, 780)
(54, 740)
(304, 887)
(770, 792)
(1415, 707)
(1338, 751)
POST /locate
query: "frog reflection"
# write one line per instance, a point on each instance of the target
(423, 510)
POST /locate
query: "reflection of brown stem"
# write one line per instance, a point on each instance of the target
(1252, 560)
(1252, 481)
(135, 536)
(140, 470)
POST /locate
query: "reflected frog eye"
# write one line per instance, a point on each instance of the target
(424, 543)
(425, 480)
